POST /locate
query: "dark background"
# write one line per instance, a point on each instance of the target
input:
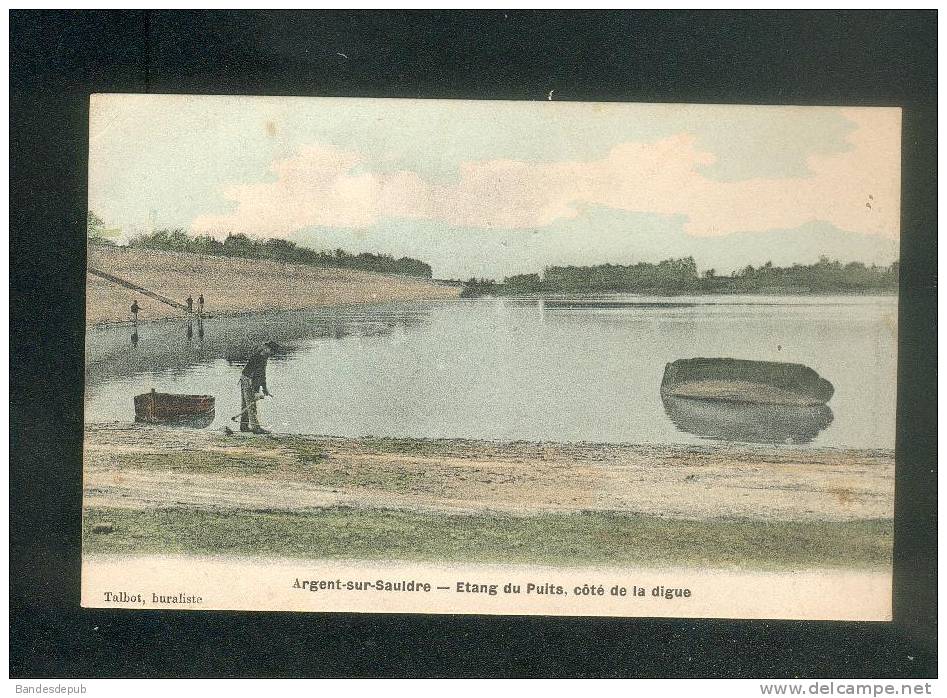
(58, 59)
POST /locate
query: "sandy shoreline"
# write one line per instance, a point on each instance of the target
(135, 466)
(157, 491)
(234, 285)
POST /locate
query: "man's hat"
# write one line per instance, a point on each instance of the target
(274, 346)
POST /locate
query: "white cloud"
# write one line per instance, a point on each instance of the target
(323, 185)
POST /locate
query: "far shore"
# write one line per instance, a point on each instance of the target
(237, 286)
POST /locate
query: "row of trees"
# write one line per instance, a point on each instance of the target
(178, 240)
(674, 276)
(824, 276)
(280, 250)
(668, 275)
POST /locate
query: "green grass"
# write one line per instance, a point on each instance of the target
(581, 539)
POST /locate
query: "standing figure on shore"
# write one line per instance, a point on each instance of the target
(252, 380)
(135, 310)
(190, 305)
(200, 305)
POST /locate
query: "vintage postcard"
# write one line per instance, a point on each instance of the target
(490, 357)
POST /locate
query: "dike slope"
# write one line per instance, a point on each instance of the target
(235, 285)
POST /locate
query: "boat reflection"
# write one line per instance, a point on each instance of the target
(748, 423)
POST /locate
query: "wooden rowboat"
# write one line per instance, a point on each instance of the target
(178, 410)
(752, 382)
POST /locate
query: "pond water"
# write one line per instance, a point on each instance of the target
(558, 369)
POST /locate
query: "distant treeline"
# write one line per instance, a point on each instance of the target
(178, 240)
(680, 276)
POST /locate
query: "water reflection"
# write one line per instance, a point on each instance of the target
(611, 304)
(170, 347)
(759, 424)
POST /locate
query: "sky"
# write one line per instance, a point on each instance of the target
(493, 188)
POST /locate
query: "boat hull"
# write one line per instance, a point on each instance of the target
(743, 381)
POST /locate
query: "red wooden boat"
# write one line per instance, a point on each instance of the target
(178, 410)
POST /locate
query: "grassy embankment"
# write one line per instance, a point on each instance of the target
(235, 285)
